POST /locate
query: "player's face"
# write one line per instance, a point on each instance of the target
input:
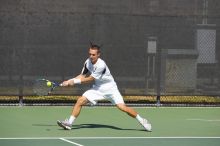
(93, 55)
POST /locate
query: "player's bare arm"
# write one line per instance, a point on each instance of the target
(80, 79)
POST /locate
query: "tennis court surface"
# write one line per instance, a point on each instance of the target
(107, 126)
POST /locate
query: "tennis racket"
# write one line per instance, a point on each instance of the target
(44, 87)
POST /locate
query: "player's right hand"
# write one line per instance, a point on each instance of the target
(65, 83)
(68, 83)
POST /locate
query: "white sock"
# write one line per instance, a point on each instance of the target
(139, 118)
(71, 119)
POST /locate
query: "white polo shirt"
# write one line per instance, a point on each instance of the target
(100, 71)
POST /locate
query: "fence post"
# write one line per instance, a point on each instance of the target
(158, 74)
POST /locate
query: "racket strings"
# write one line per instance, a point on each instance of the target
(40, 88)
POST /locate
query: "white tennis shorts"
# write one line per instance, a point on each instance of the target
(112, 95)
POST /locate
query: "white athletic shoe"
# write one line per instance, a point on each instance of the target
(64, 124)
(145, 123)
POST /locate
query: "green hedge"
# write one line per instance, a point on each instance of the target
(128, 99)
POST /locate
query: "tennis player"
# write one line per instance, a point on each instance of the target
(104, 87)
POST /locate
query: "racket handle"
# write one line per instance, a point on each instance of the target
(56, 84)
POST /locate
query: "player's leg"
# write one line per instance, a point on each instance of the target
(131, 112)
(78, 106)
(118, 100)
(67, 124)
(89, 96)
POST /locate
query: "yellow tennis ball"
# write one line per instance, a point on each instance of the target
(49, 84)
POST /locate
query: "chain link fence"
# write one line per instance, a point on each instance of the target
(153, 48)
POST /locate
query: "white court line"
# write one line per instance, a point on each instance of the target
(63, 139)
(204, 120)
(141, 107)
(42, 138)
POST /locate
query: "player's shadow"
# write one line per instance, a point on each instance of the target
(89, 126)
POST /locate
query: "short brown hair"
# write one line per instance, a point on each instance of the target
(95, 47)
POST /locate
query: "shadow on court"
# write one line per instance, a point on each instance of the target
(89, 126)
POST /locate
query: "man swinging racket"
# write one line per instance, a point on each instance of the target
(95, 70)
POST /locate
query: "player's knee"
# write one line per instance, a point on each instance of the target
(81, 101)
